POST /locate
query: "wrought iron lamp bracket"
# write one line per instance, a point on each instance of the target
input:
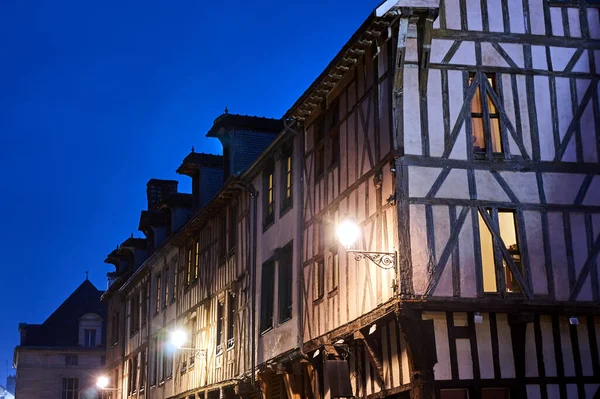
(383, 260)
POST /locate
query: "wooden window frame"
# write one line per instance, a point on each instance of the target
(70, 388)
(220, 327)
(166, 283)
(158, 283)
(196, 260)
(269, 198)
(231, 314)
(501, 269)
(334, 268)
(285, 277)
(487, 118)
(287, 179)
(267, 299)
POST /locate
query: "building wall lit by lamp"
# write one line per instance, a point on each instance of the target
(348, 232)
(178, 339)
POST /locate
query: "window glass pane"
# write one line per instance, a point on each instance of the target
(478, 135)
(508, 232)
(487, 257)
(476, 103)
(495, 133)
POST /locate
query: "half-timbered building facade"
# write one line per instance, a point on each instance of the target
(462, 136)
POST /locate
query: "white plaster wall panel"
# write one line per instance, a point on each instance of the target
(535, 244)
(436, 116)
(441, 370)
(590, 390)
(531, 368)
(542, 102)
(562, 188)
(582, 64)
(484, 348)
(560, 58)
(525, 128)
(452, 10)
(384, 112)
(439, 49)
(593, 25)
(465, 55)
(574, 23)
(592, 196)
(460, 148)
(420, 180)
(474, 21)
(556, 21)
(441, 222)
(495, 15)
(515, 51)
(553, 391)
(456, 185)
(468, 282)
(580, 253)
(444, 286)
(585, 352)
(488, 188)
(567, 350)
(456, 99)
(418, 245)
(548, 346)
(533, 392)
(490, 57)
(517, 18)
(558, 256)
(536, 16)
(572, 392)
(436, 23)
(464, 360)
(372, 198)
(588, 127)
(507, 363)
(412, 118)
(523, 185)
(410, 53)
(538, 57)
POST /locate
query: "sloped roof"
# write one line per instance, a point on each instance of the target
(178, 200)
(61, 328)
(257, 123)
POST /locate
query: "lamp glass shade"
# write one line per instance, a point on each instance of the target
(348, 232)
(178, 338)
(102, 382)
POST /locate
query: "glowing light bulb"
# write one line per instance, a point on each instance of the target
(348, 232)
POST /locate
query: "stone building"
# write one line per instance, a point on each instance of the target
(63, 356)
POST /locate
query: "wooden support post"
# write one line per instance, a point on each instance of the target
(420, 339)
(373, 355)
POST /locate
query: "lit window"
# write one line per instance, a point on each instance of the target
(219, 327)
(269, 204)
(480, 141)
(286, 174)
(507, 223)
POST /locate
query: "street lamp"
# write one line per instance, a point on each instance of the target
(102, 382)
(179, 337)
(348, 232)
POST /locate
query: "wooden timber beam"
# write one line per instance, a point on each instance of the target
(372, 354)
(420, 339)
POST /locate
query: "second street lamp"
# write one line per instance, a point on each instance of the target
(348, 232)
(178, 339)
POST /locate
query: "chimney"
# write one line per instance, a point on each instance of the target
(158, 190)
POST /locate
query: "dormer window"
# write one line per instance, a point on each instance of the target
(90, 327)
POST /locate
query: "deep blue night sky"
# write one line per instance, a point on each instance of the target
(96, 98)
